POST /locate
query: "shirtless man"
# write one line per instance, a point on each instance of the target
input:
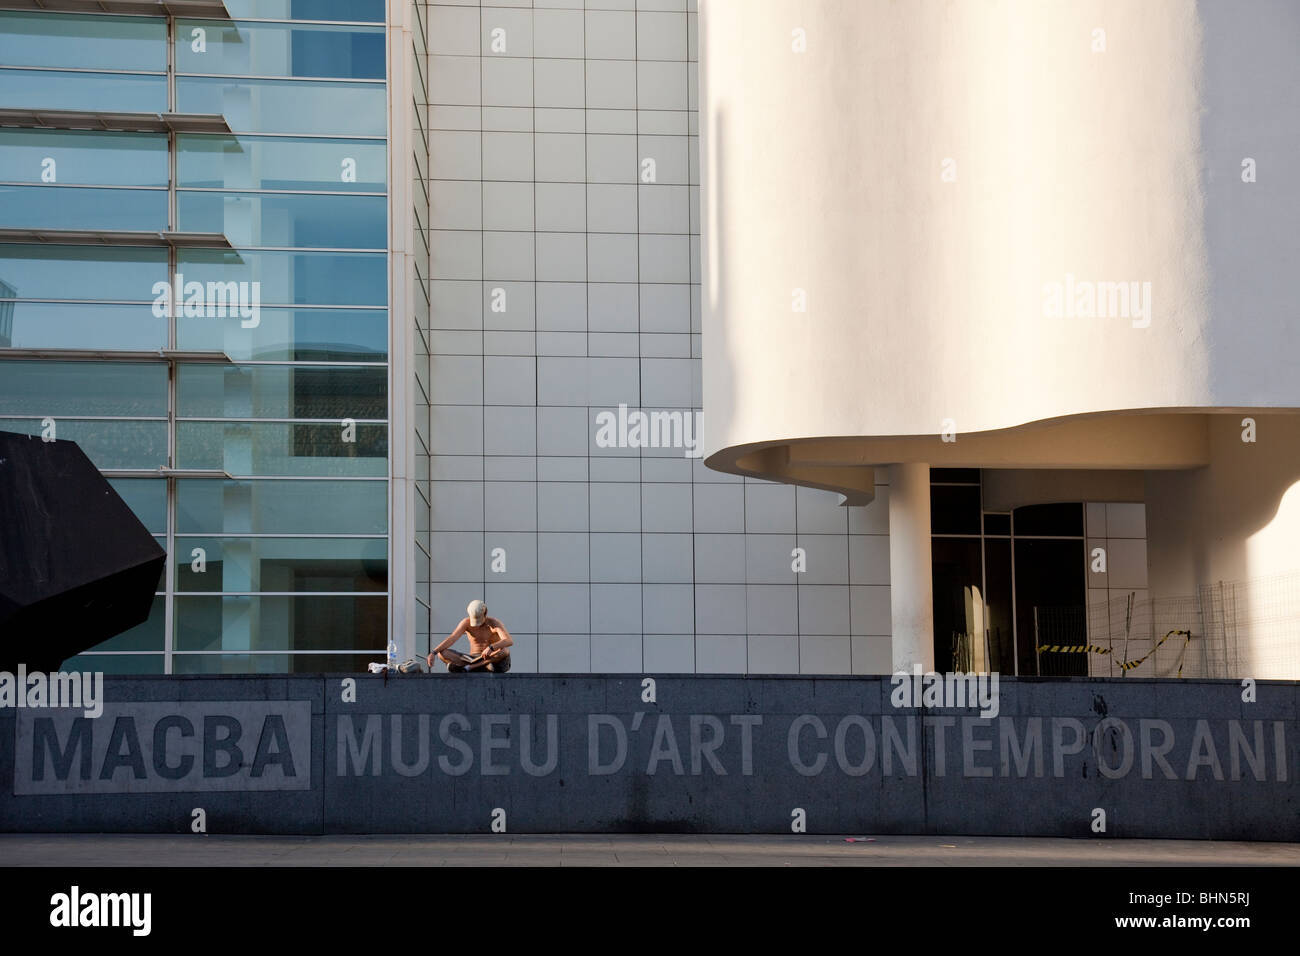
(488, 643)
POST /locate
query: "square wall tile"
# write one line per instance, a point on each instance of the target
(561, 157)
(615, 506)
(868, 559)
(669, 653)
(824, 609)
(719, 558)
(564, 608)
(668, 608)
(768, 558)
(507, 81)
(515, 552)
(720, 609)
(457, 505)
(826, 557)
(506, 206)
(561, 207)
(615, 609)
(562, 506)
(869, 607)
(616, 557)
(773, 654)
(720, 654)
(564, 653)
(510, 430)
(616, 654)
(562, 306)
(610, 35)
(558, 33)
(719, 508)
(509, 156)
(661, 36)
(509, 506)
(457, 556)
(666, 558)
(772, 609)
(666, 507)
(824, 655)
(872, 655)
(563, 557)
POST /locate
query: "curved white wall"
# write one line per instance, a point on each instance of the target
(823, 171)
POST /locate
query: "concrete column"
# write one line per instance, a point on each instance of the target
(911, 585)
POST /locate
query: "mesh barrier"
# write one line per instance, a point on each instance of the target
(1228, 630)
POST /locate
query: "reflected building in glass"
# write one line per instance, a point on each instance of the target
(207, 238)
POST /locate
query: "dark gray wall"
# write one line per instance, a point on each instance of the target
(538, 748)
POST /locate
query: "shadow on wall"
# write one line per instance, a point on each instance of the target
(1235, 520)
(1249, 114)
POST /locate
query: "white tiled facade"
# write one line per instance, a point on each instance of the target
(566, 281)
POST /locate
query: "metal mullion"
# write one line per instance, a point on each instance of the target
(291, 79)
(169, 603)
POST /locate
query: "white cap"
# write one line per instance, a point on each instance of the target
(477, 611)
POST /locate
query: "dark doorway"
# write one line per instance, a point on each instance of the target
(1050, 589)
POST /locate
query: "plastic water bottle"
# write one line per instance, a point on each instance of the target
(392, 653)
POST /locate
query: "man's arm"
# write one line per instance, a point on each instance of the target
(452, 639)
(497, 648)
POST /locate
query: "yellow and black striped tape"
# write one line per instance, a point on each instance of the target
(1124, 665)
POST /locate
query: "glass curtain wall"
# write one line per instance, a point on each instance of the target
(234, 389)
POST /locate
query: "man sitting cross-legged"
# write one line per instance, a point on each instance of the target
(489, 644)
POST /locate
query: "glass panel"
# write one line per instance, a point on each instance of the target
(92, 42)
(146, 636)
(271, 663)
(283, 449)
(147, 498)
(81, 272)
(290, 278)
(1050, 577)
(280, 623)
(997, 575)
(997, 524)
(288, 106)
(958, 606)
(83, 388)
(276, 49)
(110, 92)
(305, 221)
(281, 391)
(213, 506)
(108, 444)
(284, 564)
(360, 11)
(962, 475)
(251, 162)
(83, 157)
(305, 335)
(60, 325)
(955, 509)
(116, 663)
(77, 207)
(1064, 519)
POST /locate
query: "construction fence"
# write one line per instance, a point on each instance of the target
(1229, 630)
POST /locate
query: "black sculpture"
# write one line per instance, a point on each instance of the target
(76, 565)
